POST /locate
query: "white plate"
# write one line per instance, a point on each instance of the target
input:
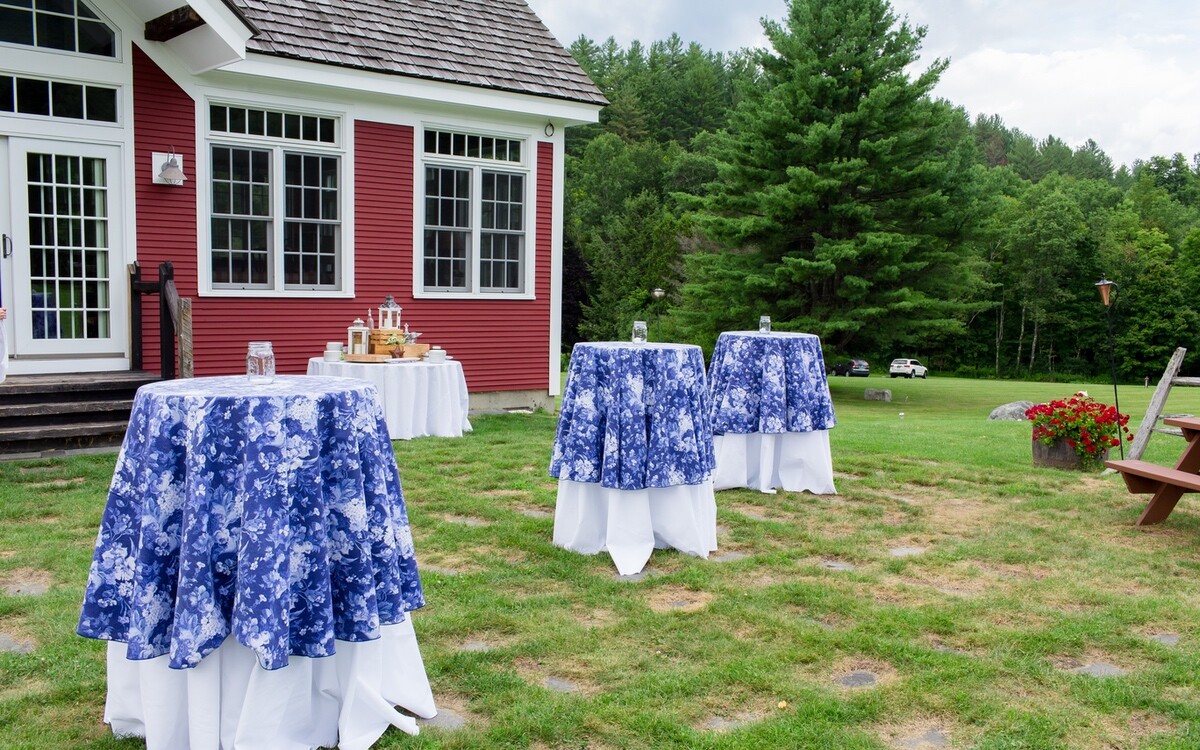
(402, 360)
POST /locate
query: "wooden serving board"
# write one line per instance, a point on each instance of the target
(368, 357)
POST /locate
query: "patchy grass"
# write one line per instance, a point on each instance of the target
(1022, 575)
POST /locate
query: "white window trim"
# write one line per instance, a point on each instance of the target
(525, 167)
(9, 48)
(343, 149)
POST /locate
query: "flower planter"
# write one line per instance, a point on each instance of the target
(1059, 455)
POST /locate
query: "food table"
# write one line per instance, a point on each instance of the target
(633, 453)
(419, 398)
(254, 570)
(771, 412)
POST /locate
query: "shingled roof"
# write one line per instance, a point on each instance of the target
(493, 44)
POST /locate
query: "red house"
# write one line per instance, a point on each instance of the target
(331, 154)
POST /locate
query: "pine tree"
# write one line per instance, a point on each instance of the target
(842, 187)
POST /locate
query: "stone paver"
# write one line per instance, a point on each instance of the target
(860, 678)
(477, 523)
(837, 565)
(26, 588)
(930, 740)
(633, 577)
(1166, 639)
(537, 513)
(729, 557)
(9, 644)
(906, 551)
(560, 685)
(447, 719)
(721, 724)
(475, 647)
(754, 514)
(1099, 669)
(437, 570)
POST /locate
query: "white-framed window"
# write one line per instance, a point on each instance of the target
(67, 100)
(64, 25)
(276, 199)
(476, 218)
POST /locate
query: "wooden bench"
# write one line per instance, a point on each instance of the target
(1166, 485)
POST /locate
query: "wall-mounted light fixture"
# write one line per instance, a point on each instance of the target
(168, 168)
(549, 129)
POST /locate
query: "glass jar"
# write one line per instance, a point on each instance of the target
(639, 331)
(260, 362)
(764, 324)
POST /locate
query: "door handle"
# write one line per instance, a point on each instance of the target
(5, 245)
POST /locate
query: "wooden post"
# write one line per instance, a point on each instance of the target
(186, 363)
(1157, 401)
(166, 320)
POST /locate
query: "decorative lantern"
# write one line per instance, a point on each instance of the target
(389, 313)
(358, 338)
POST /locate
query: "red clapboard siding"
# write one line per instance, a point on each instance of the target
(502, 344)
(163, 117)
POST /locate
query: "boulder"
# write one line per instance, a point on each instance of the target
(877, 394)
(1014, 412)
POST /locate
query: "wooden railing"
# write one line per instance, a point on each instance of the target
(175, 321)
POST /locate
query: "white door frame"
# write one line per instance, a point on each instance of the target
(70, 354)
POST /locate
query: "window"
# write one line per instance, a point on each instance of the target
(286, 125)
(75, 101)
(475, 218)
(68, 25)
(275, 214)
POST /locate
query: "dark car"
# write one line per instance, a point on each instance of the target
(852, 367)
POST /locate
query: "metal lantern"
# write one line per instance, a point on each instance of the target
(389, 313)
(358, 338)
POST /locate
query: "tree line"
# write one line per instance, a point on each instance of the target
(820, 182)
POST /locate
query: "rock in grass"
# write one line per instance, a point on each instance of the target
(877, 394)
(1011, 412)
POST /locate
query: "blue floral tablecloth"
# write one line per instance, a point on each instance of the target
(770, 383)
(634, 416)
(269, 512)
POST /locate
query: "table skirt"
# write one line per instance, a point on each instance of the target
(419, 399)
(794, 461)
(227, 701)
(630, 524)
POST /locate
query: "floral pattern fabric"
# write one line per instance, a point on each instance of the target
(634, 416)
(269, 512)
(770, 383)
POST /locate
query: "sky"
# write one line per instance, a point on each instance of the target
(1124, 73)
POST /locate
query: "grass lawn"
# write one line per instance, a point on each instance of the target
(1017, 576)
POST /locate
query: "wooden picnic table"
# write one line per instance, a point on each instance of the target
(1166, 485)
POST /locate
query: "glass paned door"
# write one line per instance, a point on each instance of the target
(67, 251)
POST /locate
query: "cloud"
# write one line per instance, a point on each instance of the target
(1120, 73)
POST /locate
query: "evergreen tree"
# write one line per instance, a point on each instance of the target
(841, 188)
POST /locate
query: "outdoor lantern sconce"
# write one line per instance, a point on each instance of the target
(658, 293)
(168, 168)
(549, 129)
(1106, 289)
(389, 313)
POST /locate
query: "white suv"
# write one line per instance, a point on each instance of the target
(908, 368)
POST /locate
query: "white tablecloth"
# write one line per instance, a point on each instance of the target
(630, 524)
(419, 398)
(795, 461)
(229, 702)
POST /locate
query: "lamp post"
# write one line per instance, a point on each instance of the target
(658, 293)
(1108, 297)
